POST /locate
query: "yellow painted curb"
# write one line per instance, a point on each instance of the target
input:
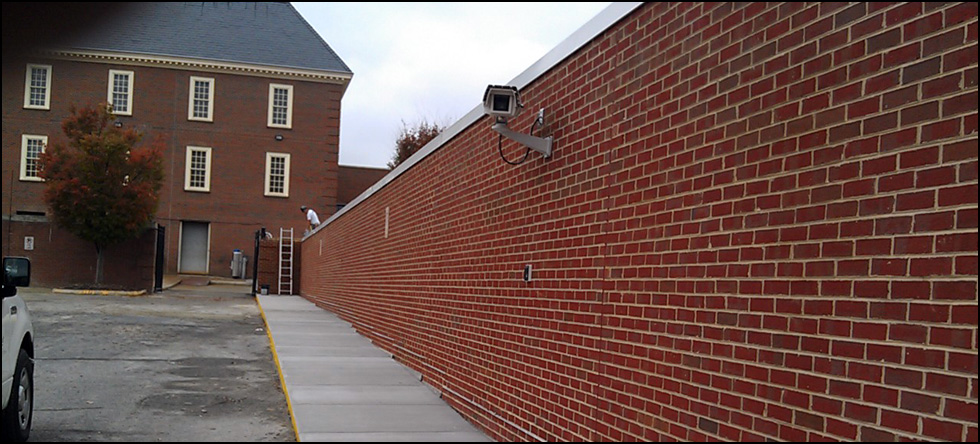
(100, 292)
(282, 380)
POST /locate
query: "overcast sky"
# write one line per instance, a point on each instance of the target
(432, 61)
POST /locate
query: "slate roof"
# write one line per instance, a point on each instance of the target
(261, 33)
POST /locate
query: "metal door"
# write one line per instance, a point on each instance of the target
(195, 240)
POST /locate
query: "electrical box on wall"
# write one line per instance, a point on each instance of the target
(527, 273)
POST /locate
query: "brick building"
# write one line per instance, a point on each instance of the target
(759, 222)
(353, 180)
(245, 95)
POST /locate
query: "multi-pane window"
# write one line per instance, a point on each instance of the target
(201, 99)
(277, 174)
(197, 176)
(31, 148)
(121, 92)
(37, 87)
(280, 106)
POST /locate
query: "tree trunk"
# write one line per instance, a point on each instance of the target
(99, 250)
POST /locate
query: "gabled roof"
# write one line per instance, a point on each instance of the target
(271, 34)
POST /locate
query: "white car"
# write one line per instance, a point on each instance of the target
(18, 352)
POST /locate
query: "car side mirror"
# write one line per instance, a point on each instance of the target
(16, 272)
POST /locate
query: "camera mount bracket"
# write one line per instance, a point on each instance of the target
(539, 144)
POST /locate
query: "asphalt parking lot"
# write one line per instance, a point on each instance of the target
(187, 364)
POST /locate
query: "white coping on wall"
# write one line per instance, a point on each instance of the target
(589, 31)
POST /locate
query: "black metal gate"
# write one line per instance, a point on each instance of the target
(159, 263)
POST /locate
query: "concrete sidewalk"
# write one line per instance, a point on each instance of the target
(341, 387)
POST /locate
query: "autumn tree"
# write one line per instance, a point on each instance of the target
(411, 139)
(99, 185)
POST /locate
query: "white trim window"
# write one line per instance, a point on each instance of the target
(277, 174)
(31, 147)
(200, 104)
(37, 87)
(120, 92)
(280, 106)
(197, 169)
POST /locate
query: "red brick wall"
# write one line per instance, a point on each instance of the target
(760, 222)
(236, 206)
(352, 181)
(269, 267)
(59, 259)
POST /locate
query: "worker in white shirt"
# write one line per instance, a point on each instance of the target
(311, 217)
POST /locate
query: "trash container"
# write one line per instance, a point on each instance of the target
(237, 264)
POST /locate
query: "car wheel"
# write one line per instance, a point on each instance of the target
(19, 414)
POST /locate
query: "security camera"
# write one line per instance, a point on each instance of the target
(502, 102)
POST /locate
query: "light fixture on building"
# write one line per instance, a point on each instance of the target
(279, 137)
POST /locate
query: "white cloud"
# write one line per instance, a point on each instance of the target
(432, 61)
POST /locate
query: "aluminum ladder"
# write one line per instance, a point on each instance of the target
(285, 261)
